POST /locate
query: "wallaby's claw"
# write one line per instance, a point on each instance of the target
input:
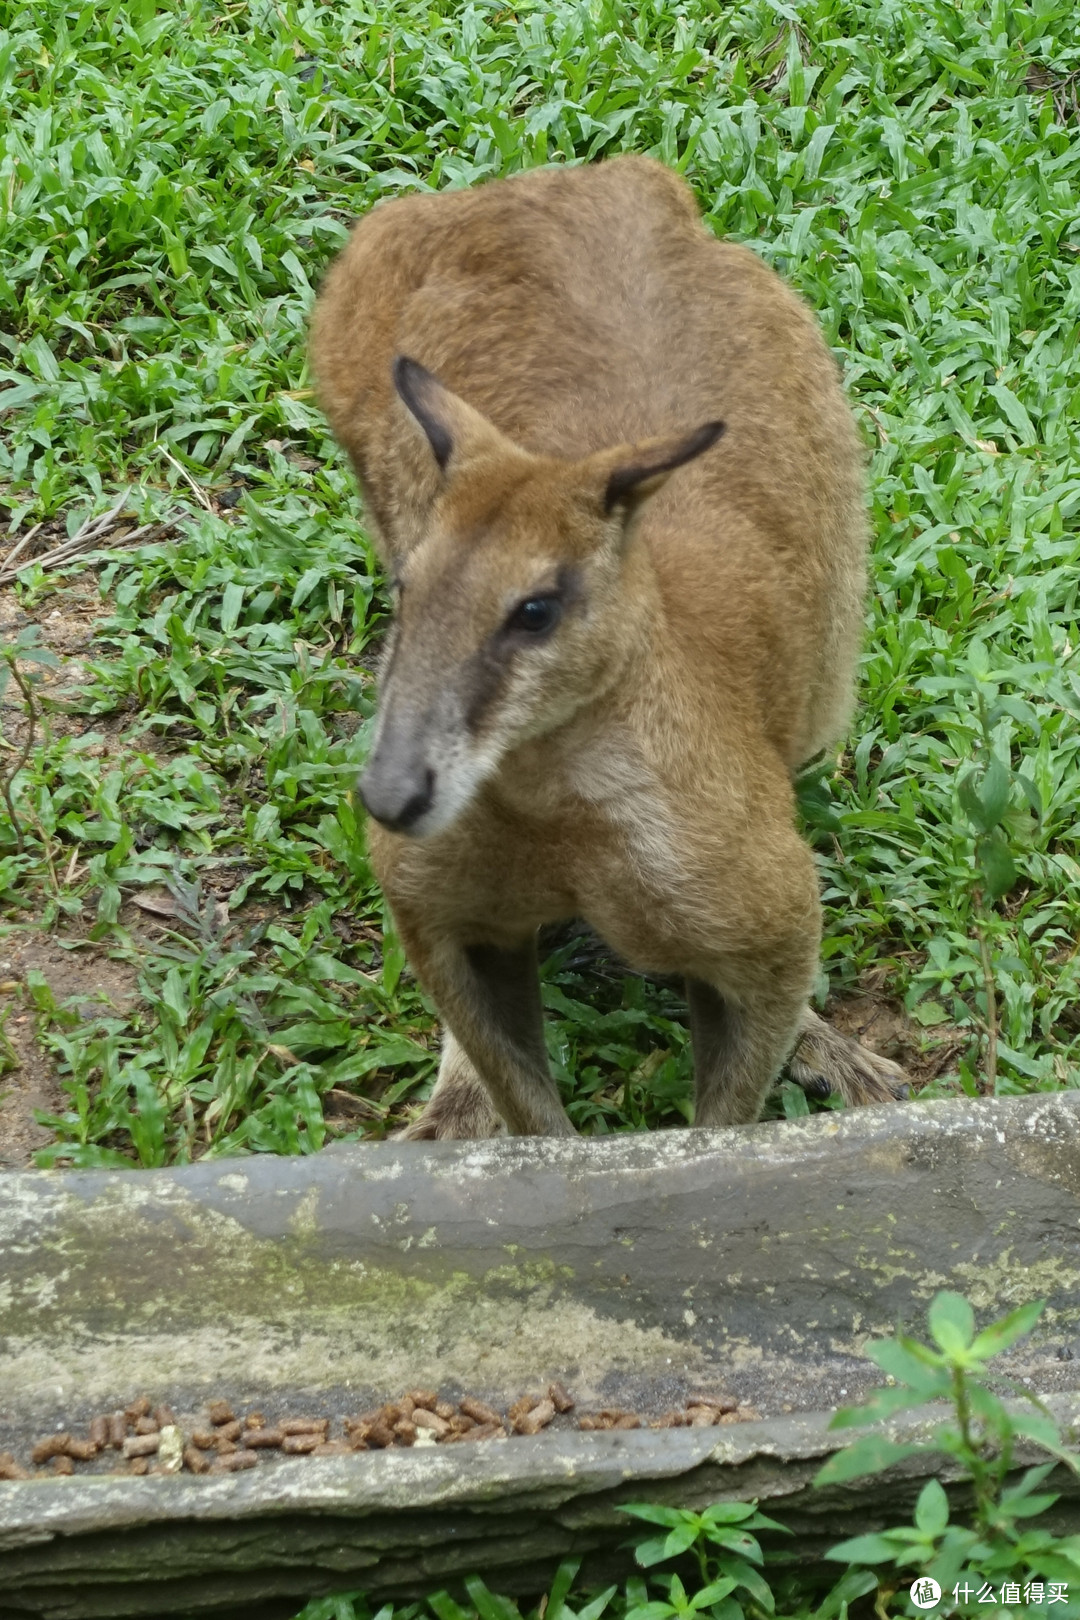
(826, 1061)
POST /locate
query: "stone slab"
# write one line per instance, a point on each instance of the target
(633, 1268)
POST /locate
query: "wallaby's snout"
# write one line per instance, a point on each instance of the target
(398, 788)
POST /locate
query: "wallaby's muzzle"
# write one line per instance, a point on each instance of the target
(398, 787)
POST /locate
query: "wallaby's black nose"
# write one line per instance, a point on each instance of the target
(395, 800)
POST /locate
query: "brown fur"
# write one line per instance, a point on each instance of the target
(580, 336)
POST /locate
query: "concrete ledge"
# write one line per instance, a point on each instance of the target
(633, 1268)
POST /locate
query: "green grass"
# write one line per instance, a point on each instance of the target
(173, 181)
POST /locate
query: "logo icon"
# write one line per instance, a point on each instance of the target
(925, 1593)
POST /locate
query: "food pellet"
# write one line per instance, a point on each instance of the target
(196, 1461)
(295, 1445)
(425, 1419)
(139, 1465)
(53, 1445)
(560, 1398)
(63, 1465)
(164, 1417)
(228, 1431)
(117, 1429)
(10, 1469)
(233, 1462)
(264, 1438)
(99, 1432)
(305, 1426)
(484, 1431)
(479, 1411)
(82, 1450)
(138, 1408)
(147, 1425)
(519, 1408)
(537, 1418)
(141, 1445)
(426, 1398)
(221, 1412)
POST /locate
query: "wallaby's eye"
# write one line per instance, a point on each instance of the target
(538, 615)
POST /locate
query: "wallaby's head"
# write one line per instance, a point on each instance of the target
(513, 610)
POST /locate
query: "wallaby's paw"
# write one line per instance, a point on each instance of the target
(448, 1124)
(825, 1062)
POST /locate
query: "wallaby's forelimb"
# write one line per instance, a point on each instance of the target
(738, 1052)
(489, 997)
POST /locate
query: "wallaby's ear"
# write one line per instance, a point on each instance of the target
(452, 427)
(638, 470)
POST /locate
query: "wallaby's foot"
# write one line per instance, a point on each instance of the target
(458, 1109)
(444, 1124)
(826, 1061)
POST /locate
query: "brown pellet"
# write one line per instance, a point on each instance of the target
(670, 1420)
(424, 1419)
(296, 1444)
(320, 1426)
(228, 1431)
(137, 1409)
(195, 1460)
(479, 1411)
(405, 1431)
(721, 1403)
(701, 1417)
(225, 1448)
(446, 1410)
(62, 1465)
(233, 1462)
(205, 1439)
(460, 1424)
(165, 1417)
(520, 1407)
(629, 1420)
(332, 1448)
(379, 1435)
(255, 1420)
(138, 1465)
(53, 1445)
(147, 1425)
(10, 1469)
(117, 1429)
(99, 1432)
(220, 1412)
(537, 1418)
(358, 1439)
(484, 1431)
(264, 1437)
(364, 1420)
(141, 1445)
(426, 1398)
(82, 1450)
(560, 1398)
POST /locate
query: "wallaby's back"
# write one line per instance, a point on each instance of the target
(580, 307)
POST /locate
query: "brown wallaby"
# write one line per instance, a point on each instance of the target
(619, 494)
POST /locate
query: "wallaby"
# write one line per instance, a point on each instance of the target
(619, 495)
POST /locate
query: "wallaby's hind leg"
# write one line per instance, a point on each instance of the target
(459, 1106)
(825, 1060)
(738, 1051)
(489, 998)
